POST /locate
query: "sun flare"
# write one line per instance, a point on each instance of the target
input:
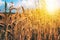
(51, 6)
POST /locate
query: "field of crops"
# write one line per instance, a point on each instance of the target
(34, 24)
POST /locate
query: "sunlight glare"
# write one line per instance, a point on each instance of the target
(50, 5)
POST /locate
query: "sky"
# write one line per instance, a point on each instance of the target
(17, 3)
(30, 3)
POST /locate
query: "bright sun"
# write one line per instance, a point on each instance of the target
(50, 6)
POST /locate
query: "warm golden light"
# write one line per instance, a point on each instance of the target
(51, 6)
